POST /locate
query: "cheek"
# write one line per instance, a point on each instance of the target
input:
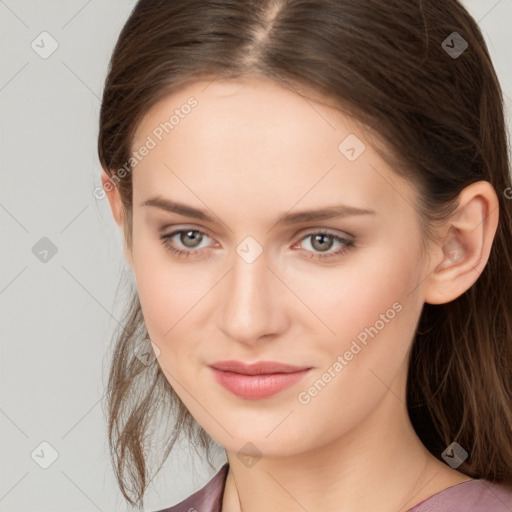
(168, 300)
(373, 316)
(167, 291)
(364, 309)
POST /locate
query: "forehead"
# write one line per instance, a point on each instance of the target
(255, 107)
(250, 138)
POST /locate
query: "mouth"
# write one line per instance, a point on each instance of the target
(258, 368)
(257, 380)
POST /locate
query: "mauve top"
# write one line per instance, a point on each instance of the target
(477, 495)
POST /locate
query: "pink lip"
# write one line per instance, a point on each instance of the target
(258, 380)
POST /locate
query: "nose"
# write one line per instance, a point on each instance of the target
(252, 301)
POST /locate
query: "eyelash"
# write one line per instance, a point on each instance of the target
(183, 253)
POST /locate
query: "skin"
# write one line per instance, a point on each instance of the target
(250, 151)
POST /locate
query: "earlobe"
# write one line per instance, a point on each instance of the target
(465, 248)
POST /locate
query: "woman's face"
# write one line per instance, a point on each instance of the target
(255, 279)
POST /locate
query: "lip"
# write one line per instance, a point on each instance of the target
(256, 380)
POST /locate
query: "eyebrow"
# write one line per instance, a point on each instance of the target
(286, 218)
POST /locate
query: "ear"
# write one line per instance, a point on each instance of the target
(117, 207)
(466, 241)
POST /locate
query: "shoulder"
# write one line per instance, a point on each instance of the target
(477, 495)
(206, 499)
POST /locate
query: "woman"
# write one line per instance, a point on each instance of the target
(315, 202)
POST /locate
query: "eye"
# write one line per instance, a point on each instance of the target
(190, 238)
(323, 241)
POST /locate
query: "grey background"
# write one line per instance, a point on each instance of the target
(58, 315)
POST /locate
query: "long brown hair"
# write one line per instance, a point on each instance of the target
(440, 118)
